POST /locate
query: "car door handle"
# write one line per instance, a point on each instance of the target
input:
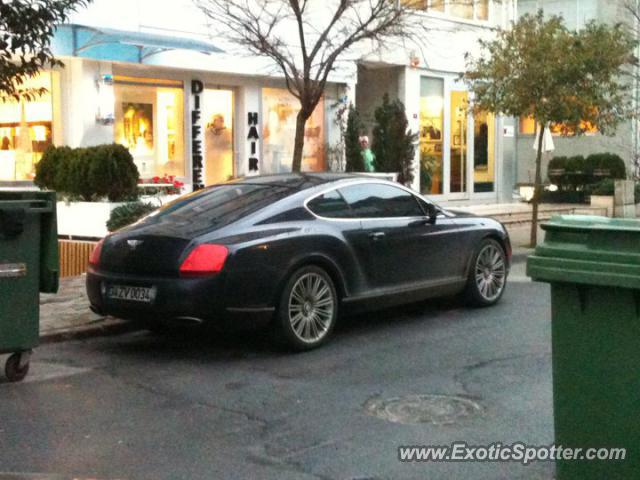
(375, 236)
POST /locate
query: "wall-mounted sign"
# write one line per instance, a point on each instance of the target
(508, 131)
(254, 138)
(197, 155)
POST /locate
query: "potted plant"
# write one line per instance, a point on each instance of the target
(90, 182)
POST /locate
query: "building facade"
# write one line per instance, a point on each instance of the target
(155, 81)
(461, 157)
(625, 142)
(158, 82)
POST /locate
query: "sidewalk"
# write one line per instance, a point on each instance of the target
(66, 315)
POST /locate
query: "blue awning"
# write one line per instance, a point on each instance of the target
(120, 45)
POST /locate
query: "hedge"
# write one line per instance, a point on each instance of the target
(577, 173)
(89, 174)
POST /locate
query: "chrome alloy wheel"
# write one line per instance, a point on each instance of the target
(311, 307)
(490, 272)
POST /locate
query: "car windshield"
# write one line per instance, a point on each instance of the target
(221, 205)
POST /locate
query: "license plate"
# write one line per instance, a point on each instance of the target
(131, 294)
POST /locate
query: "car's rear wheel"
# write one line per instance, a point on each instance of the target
(488, 274)
(308, 309)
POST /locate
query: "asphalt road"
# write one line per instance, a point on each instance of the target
(143, 406)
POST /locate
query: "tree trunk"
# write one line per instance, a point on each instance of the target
(537, 190)
(301, 122)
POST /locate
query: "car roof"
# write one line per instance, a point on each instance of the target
(297, 182)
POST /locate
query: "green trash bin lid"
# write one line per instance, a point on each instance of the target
(588, 250)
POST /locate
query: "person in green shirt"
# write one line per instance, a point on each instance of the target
(367, 155)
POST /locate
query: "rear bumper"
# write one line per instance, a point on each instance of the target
(190, 300)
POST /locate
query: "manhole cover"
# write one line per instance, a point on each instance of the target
(415, 409)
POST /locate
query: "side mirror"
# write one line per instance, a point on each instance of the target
(432, 212)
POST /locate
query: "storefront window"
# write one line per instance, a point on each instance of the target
(462, 9)
(528, 127)
(25, 131)
(484, 134)
(436, 6)
(150, 123)
(218, 135)
(280, 110)
(459, 106)
(482, 9)
(467, 9)
(417, 4)
(431, 135)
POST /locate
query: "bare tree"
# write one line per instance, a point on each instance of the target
(308, 38)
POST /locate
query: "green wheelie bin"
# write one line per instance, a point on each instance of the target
(593, 266)
(28, 265)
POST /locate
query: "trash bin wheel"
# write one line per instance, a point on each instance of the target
(12, 368)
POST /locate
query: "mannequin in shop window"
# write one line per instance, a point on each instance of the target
(219, 151)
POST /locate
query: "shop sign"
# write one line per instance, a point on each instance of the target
(254, 138)
(197, 155)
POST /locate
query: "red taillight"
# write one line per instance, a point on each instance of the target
(204, 260)
(94, 259)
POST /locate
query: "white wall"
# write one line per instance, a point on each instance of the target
(79, 105)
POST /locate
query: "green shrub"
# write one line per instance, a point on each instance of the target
(575, 172)
(572, 177)
(557, 164)
(561, 196)
(128, 214)
(604, 187)
(49, 168)
(353, 151)
(605, 165)
(112, 173)
(89, 174)
(393, 143)
(637, 192)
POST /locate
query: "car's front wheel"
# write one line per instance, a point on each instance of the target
(488, 274)
(307, 310)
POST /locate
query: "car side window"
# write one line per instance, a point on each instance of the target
(330, 205)
(375, 200)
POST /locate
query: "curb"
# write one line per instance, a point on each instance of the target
(105, 328)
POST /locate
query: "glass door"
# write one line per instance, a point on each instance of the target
(458, 147)
(432, 136)
(484, 141)
(218, 135)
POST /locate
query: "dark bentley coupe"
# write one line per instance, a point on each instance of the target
(297, 249)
